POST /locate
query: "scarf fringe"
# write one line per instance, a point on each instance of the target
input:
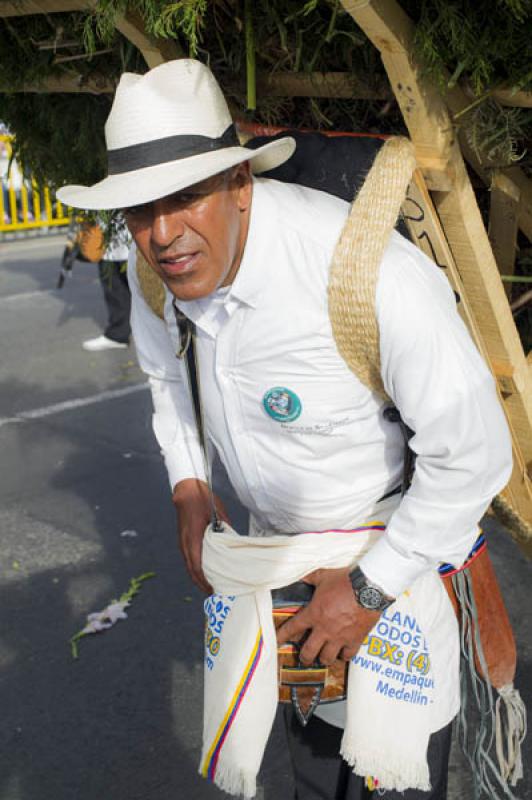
(397, 773)
(510, 732)
(493, 773)
(236, 781)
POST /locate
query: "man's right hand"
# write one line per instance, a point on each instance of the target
(192, 503)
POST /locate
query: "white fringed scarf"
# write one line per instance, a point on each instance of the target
(402, 685)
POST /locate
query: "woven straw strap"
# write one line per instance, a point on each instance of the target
(356, 260)
(151, 286)
(519, 527)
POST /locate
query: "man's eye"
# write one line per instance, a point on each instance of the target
(188, 198)
(134, 211)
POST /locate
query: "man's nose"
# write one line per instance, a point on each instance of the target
(168, 224)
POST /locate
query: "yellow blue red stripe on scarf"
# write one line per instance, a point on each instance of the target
(208, 769)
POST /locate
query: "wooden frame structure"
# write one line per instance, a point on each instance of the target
(459, 232)
(451, 228)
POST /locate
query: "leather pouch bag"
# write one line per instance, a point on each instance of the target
(304, 687)
(496, 637)
(307, 687)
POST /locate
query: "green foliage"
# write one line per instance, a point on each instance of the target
(161, 19)
(496, 134)
(484, 46)
(289, 36)
(488, 44)
(481, 46)
(59, 137)
(184, 18)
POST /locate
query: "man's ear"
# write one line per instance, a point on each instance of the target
(244, 184)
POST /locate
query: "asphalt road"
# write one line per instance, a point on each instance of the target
(84, 507)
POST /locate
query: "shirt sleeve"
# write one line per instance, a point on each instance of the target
(446, 395)
(173, 417)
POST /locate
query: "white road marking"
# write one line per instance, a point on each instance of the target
(27, 295)
(11, 246)
(68, 405)
(51, 292)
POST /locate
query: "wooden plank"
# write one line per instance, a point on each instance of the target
(154, 51)
(513, 99)
(319, 84)
(23, 8)
(426, 231)
(441, 163)
(284, 84)
(503, 226)
(70, 84)
(462, 223)
(457, 101)
(425, 228)
(524, 186)
(391, 31)
(130, 24)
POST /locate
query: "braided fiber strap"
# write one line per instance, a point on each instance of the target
(151, 286)
(355, 265)
(520, 529)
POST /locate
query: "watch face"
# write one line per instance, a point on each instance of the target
(370, 597)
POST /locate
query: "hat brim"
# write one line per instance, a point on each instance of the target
(150, 183)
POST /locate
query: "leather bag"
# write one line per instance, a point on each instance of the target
(304, 687)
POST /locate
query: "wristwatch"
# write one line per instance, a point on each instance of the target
(367, 594)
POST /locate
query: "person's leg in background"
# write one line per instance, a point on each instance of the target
(113, 278)
(321, 774)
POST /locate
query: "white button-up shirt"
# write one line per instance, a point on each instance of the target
(319, 453)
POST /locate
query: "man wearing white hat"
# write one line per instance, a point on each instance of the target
(304, 442)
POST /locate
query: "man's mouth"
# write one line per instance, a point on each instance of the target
(177, 265)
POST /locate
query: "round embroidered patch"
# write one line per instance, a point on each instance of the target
(282, 404)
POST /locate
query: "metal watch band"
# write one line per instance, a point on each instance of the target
(368, 595)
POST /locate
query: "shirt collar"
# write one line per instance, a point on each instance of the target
(250, 276)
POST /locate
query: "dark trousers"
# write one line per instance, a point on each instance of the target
(321, 774)
(113, 278)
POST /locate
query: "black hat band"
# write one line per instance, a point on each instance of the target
(171, 148)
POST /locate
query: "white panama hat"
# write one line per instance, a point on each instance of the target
(168, 129)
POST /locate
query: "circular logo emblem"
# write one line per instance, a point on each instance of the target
(282, 404)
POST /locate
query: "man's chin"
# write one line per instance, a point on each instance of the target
(184, 287)
(187, 289)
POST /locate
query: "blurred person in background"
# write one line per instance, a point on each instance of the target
(112, 271)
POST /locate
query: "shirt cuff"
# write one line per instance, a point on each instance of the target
(184, 462)
(389, 569)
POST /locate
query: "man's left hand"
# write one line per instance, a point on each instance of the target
(335, 622)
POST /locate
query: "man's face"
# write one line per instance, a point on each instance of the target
(194, 239)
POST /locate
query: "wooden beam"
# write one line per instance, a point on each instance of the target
(282, 84)
(391, 31)
(23, 8)
(68, 84)
(513, 99)
(154, 51)
(426, 231)
(523, 185)
(457, 100)
(523, 300)
(431, 130)
(130, 24)
(319, 84)
(502, 230)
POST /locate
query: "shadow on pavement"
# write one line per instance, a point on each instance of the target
(124, 721)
